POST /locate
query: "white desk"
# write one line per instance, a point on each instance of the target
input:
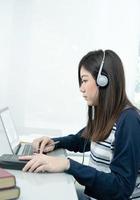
(44, 186)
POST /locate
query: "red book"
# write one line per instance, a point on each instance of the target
(7, 179)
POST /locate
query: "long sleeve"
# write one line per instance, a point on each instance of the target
(74, 143)
(120, 182)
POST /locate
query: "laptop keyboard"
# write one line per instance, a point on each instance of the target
(9, 157)
(28, 149)
(11, 161)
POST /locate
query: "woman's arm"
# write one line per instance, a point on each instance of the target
(74, 143)
(71, 142)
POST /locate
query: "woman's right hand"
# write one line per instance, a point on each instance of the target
(40, 144)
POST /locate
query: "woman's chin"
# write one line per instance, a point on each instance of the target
(89, 103)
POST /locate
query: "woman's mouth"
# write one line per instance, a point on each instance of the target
(85, 97)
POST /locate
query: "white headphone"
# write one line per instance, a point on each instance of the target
(102, 80)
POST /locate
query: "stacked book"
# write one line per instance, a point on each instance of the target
(8, 188)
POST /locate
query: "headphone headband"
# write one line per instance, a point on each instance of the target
(102, 80)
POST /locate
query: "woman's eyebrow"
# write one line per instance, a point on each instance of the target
(84, 75)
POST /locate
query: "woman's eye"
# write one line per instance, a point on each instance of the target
(84, 81)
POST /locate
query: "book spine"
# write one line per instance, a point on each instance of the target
(9, 185)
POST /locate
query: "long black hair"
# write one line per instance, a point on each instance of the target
(112, 98)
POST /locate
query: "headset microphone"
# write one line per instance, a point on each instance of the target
(102, 80)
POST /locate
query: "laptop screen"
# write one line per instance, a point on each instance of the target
(9, 127)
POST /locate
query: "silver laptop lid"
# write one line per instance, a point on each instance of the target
(5, 146)
(9, 128)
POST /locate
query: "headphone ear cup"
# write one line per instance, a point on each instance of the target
(102, 80)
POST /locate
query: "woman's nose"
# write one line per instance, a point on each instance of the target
(82, 89)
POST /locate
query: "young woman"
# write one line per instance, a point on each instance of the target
(112, 134)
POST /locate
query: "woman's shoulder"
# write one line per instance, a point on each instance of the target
(128, 123)
(129, 115)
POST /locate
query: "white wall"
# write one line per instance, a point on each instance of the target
(41, 43)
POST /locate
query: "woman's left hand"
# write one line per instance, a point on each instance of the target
(42, 163)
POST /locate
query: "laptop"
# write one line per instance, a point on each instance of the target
(17, 147)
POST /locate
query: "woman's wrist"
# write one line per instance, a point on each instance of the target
(67, 164)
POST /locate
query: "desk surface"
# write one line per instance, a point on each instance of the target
(43, 186)
(49, 186)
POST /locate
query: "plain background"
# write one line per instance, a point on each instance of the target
(41, 44)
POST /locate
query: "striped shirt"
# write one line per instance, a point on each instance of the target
(101, 153)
